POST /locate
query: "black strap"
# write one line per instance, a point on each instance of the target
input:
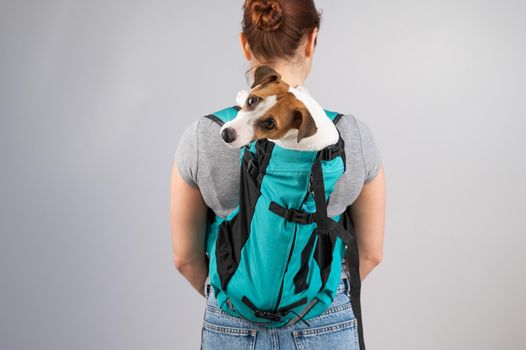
(325, 224)
(303, 312)
(271, 315)
(334, 150)
(259, 160)
(355, 290)
(318, 188)
(252, 163)
(302, 217)
(292, 214)
(338, 230)
(347, 236)
(352, 270)
(337, 118)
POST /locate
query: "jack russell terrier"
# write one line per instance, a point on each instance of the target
(285, 115)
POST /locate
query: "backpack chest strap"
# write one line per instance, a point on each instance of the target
(291, 214)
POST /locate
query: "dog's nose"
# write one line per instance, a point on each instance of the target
(228, 134)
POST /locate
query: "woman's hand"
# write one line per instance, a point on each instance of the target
(188, 213)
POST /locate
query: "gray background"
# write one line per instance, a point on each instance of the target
(94, 96)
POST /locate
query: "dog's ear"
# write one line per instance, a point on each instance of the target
(303, 121)
(265, 74)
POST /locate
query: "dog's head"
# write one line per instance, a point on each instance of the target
(270, 111)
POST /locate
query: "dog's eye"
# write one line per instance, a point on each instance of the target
(251, 100)
(269, 124)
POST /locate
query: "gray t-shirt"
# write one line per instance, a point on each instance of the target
(206, 162)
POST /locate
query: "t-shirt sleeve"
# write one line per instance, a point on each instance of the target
(186, 154)
(370, 151)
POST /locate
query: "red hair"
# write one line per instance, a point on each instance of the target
(275, 28)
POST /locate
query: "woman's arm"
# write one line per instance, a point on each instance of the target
(188, 219)
(368, 216)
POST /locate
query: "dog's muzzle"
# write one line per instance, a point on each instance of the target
(228, 134)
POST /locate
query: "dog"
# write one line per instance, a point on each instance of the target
(285, 115)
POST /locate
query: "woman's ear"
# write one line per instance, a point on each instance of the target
(244, 46)
(311, 43)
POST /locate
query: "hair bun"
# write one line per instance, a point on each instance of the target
(267, 15)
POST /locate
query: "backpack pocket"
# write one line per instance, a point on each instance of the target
(233, 233)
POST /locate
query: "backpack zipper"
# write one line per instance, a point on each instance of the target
(309, 191)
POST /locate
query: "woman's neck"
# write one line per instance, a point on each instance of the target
(293, 74)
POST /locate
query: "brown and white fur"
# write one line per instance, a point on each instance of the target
(286, 115)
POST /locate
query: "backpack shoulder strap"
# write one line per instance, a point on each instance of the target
(224, 115)
(334, 116)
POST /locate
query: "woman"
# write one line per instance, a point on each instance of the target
(205, 174)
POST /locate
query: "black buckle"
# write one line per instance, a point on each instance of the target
(298, 216)
(275, 315)
(301, 216)
(268, 315)
(330, 152)
(292, 214)
(252, 169)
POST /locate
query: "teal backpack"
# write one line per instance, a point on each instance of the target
(276, 259)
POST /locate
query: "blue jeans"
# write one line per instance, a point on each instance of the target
(334, 329)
